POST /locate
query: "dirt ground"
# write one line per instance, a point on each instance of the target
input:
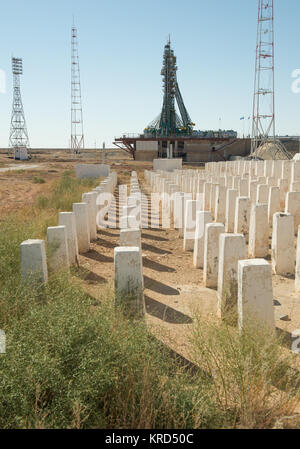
(174, 289)
(17, 185)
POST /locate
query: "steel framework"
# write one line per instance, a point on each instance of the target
(169, 123)
(18, 137)
(77, 136)
(263, 117)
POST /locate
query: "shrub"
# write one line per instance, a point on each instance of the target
(252, 380)
(70, 364)
(38, 180)
(66, 191)
(74, 362)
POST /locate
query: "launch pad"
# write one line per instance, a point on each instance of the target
(171, 133)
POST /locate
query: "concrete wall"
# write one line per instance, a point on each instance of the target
(147, 145)
(145, 155)
(196, 151)
(206, 151)
(91, 170)
(167, 164)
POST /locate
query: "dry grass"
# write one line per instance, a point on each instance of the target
(252, 379)
(72, 363)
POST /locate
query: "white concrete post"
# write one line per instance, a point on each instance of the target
(268, 168)
(90, 199)
(57, 248)
(292, 206)
(295, 171)
(220, 207)
(178, 206)
(255, 294)
(262, 193)
(231, 197)
(222, 181)
(274, 203)
(186, 197)
(131, 237)
(277, 169)
(286, 169)
(122, 195)
(272, 182)
(82, 226)
(283, 251)
(211, 254)
(134, 204)
(123, 218)
(33, 261)
(243, 187)
(173, 190)
(129, 280)
(295, 186)
(213, 199)
(242, 216)
(232, 248)
(67, 219)
(258, 231)
(297, 274)
(236, 182)
(253, 191)
(259, 168)
(202, 218)
(192, 206)
(229, 182)
(207, 195)
(94, 203)
(283, 185)
(262, 180)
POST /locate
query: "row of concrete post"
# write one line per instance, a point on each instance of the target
(221, 209)
(133, 208)
(224, 213)
(72, 236)
(128, 265)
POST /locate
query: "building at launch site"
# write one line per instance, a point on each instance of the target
(172, 133)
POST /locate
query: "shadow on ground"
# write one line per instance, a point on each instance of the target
(166, 313)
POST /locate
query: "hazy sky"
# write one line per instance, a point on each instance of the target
(120, 47)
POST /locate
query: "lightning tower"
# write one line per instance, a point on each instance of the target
(18, 137)
(263, 118)
(77, 136)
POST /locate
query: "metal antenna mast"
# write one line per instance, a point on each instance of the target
(18, 137)
(263, 124)
(77, 137)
